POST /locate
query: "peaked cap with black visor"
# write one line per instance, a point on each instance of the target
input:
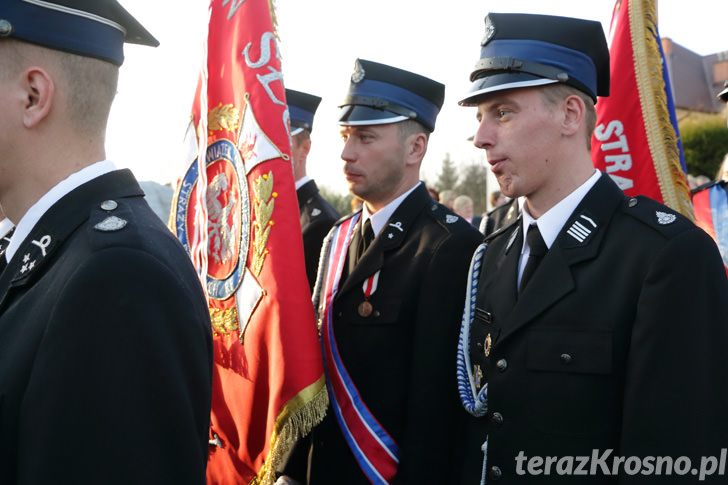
(380, 94)
(89, 28)
(524, 50)
(301, 108)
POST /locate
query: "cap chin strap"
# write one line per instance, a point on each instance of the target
(518, 65)
(379, 103)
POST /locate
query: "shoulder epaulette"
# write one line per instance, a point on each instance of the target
(106, 217)
(446, 218)
(664, 219)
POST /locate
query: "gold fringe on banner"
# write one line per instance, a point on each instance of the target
(307, 408)
(297, 418)
(661, 135)
(273, 18)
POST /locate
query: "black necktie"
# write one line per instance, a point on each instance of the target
(367, 236)
(538, 250)
(359, 243)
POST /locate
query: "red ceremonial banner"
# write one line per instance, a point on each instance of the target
(235, 211)
(636, 140)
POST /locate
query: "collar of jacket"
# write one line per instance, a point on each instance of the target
(579, 240)
(305, 192)
(60, 221)
(391, 236)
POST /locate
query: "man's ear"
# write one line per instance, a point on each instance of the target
(306, 145)
(416, 148)
(40, 90)
(574, 114)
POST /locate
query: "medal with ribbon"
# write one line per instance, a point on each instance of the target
(365, 308)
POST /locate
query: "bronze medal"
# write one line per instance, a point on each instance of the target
(365, 309)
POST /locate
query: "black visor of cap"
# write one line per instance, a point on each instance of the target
(353, 115)
(500, 82)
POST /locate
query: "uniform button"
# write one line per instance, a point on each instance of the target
(632, 202)
(496, 418)
(109, 205)
(6, 28)
(566, 358)
(495, 473)
(502, 365)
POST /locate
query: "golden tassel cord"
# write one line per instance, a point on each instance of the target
(297, 418)
(661, 135)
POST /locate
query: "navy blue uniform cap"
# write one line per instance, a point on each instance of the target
(381, 94)
(301, 107)
(90, 28)
(522, 50)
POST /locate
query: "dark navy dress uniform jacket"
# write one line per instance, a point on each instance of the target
(317, 216)
(618, 342)
(105, 347)
(402, 356)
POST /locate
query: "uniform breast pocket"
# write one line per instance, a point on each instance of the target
(378, 311)
(380, 334)
(571, 384)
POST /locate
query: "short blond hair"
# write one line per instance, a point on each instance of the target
(554, 94)
(410, 127)
(88, 84)
(91, 87)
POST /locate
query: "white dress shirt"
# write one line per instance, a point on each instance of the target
(553, 220)
(5, 227)
(380, 218)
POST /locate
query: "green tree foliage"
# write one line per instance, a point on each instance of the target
(474, 184)
(705, 143)
(342, 203)
(447, 179)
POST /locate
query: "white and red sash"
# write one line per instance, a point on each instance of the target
(375, 451)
